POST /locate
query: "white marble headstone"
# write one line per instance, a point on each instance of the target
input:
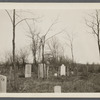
(57, 89)
(63, 70)
(28, 70)
(3, 84)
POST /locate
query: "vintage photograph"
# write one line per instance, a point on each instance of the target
(49, 50)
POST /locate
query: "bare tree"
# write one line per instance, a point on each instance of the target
(54, 45)
(94, 24)
(34, 35)
(70, 43)
(44, 40)
(13, 45)
(14, 24)
(38, 41)
(23, 56)
(56, 52)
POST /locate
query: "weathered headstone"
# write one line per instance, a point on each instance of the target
(3, 84)
(28, 70)
(63, 70)
(41, 70)
(57, 89)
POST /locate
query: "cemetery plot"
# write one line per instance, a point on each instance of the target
(53, 84)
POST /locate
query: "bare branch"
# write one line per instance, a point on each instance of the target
(50, 48)
(91, 26)
(9, 16)
(50, 27)
(24, 20)
(29, 27)
(55, 34)
(92, 16)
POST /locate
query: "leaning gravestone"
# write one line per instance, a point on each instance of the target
(63, 70)
(3, 84)
(57, 89)
(28, 70)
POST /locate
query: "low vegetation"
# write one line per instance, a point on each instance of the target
(84, 81)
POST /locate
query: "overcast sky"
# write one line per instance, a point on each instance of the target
(85, 47)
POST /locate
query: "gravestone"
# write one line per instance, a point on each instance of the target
(28, 70)
(3, 84)
(57, 89)
(41, 71)
(63, 70)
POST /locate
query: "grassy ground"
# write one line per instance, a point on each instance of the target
(88, 83)
(83, 82)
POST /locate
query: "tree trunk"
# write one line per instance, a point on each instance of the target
(67, 71)
(47, 71)
(72, 52)
(43, 59)
(13, 43)
(98, 29)
(35, 62)
(99, 46)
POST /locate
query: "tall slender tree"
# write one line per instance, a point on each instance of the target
(13, 44)
(70, 43)
(94, 24)
(14, 24)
